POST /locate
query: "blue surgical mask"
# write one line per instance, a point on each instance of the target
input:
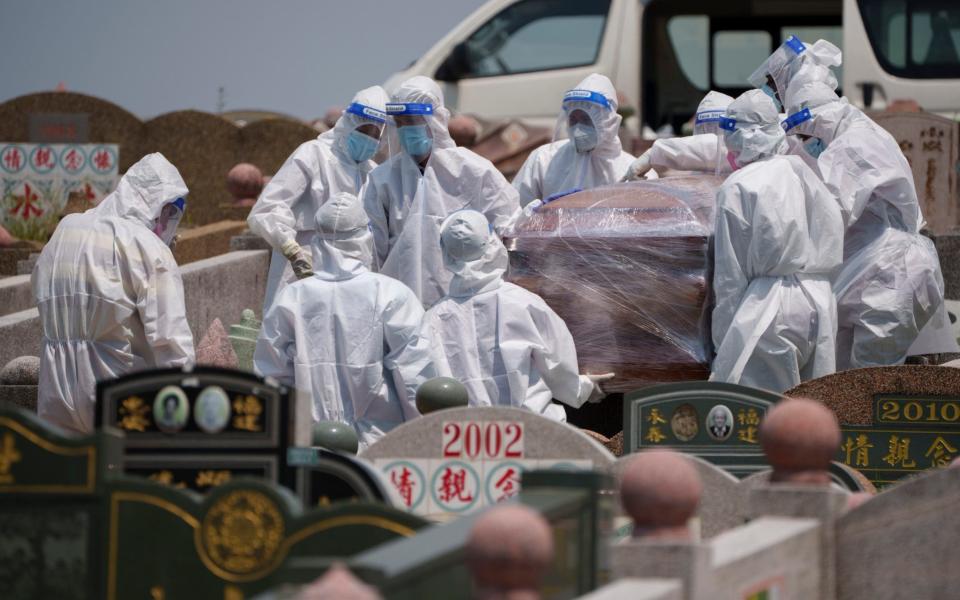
(361, 146)
(766, 89)
(415, 140)
(584, 137)
(814, 147)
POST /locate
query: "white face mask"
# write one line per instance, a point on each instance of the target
(584, 137)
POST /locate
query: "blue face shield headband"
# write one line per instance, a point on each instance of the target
(728, 124)
(795, 44)
(708, 116)
(586, 96)
(796, 119)
(395, 109)
(366, 112)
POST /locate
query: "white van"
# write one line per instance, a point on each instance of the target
(515, 58)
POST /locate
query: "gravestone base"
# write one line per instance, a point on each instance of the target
(248, 241)
(21, 396)
(687, 561)
(10, 257)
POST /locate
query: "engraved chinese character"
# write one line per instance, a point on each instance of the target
(654, 417)
(404, 484)
(13, 159)
(166, 478)
(453, 486)
(748, 417)
(654, 435)
(27, 204)
(747, 434)
(941, 453)
(857, 452)
(211, 478)
(102, 160)
(133, 414)
(247, 411)
(8, 456)
(43, 159)
(508, 485)
(899, 453)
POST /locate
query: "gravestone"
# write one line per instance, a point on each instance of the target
(455, 461)
(930, 143)
(73, 528)
(325, 477)
(895, 421)
(243, 338)
(719, 422)
(199, 427)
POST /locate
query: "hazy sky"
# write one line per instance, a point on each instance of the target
(153, 56)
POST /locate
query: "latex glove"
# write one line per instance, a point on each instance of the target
(529, 209)
(598, 394)
(299, 259)
(638, 168)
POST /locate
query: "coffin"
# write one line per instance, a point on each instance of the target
(627, 267)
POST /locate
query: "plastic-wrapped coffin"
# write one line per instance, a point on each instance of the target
(627, 267)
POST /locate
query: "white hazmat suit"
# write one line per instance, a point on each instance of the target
(791, 59)
(566, 165)
(407, 201)
(346, 337)
(318, 169)
(502, 342)
(694, 153)
(110, 295)
(890, 286)
(779, 236)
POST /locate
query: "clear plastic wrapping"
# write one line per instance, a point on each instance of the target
(627, 267)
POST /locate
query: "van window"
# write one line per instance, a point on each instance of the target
(688, 36)
(736, 55)
(917, 39)
(537, 35)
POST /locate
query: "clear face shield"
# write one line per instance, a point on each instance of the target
(800, 124)
(165, 226)
(726, 126)
(412, 130)
(583, 112)
(366, 126)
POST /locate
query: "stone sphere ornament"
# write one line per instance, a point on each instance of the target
(800, 437)
(334, 435)
(441, 393)
(244, 182)
(660, 490)
(338, 582)
(509, 551)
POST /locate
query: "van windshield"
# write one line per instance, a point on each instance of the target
(919, 39)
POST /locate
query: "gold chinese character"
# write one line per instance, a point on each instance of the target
(654, 417)
(8, 455)
(748, 417)
(899, 453)
(747, 434)
(133, 413)
(655, 435)
(210, 478)
(248, 410)
(943, 453)
(166, 478)
(861, 447)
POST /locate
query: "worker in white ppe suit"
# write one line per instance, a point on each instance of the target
(109, 293)
(426, 178)
(778, 238)
(694, 153)
(586, 151)
(502, 342)
(890, 287)
(347, 337)
(338, 160)
(792, 58)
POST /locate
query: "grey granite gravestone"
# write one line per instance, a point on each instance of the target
(458, 460)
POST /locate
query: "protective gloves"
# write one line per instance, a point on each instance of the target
(299, 259)
(638, 168)
(598, 394)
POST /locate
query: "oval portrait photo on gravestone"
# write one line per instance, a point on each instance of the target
(685, 422)
(171, 409)
(719, 422)
(212, 409)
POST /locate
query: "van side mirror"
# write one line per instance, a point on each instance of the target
(455, 66)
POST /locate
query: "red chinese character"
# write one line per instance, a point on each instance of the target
(72, 160)
(453, 486)
(43, 158)
(507, 484)
(102, 160)
(404, 485)
(25, 203)
(13, 159)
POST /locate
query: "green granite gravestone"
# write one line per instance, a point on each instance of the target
(73, 528)
(243, 338)
(325, 477)
(719, 422)
(199, 427)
